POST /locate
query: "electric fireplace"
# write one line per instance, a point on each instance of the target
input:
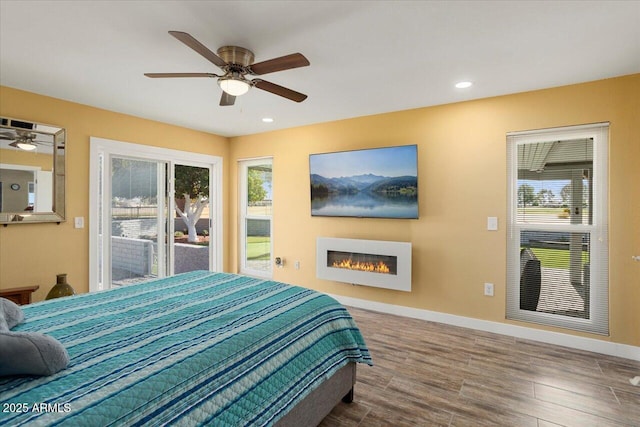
(376, 263)
(382, 264)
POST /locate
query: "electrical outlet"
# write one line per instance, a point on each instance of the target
(488, 289)
(297, 265)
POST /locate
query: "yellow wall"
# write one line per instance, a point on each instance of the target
(27, 158)
(462, 181)
(33, 254)
(462, 174)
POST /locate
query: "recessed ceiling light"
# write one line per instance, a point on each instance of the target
(267, 119)
(463, 85)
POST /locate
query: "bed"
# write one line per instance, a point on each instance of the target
(198, 348)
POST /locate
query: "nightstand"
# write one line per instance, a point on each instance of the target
(20, 296)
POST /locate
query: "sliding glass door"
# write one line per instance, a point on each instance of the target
(154, 213)
(136, 224)
(192, 220)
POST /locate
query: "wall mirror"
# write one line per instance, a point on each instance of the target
(32, 172)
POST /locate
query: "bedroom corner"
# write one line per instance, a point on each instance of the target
(33, 254)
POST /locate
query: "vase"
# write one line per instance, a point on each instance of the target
(61, 288)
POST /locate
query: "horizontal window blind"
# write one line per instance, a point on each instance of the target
(557, 245)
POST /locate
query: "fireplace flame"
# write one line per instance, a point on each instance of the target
(371, 267)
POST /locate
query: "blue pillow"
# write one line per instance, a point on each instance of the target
(31, 353)
(10, 314)
(27, 353)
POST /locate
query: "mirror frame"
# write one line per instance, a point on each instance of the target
(58, 213)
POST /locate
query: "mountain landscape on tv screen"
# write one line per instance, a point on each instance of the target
(400, 186)
(368, 195)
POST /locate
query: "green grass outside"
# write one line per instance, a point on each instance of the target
(556, 258)
(259, 248)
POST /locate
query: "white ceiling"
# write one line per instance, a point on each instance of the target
(367, 57)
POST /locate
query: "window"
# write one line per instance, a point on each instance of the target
(138, 229)
(557, 241)
(255, 217)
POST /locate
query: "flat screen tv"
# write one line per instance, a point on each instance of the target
(370, 183)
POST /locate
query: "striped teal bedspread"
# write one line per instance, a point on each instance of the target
(198, 348)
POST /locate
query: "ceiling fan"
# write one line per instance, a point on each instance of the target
(23, 139)
(236, 63)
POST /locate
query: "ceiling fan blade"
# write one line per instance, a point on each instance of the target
(227, 99)
(198, 47)
(295, 60)
(279, 90)
(162, 75)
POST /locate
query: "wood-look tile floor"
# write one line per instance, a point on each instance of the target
(430, 374)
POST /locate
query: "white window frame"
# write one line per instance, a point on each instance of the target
(243, 167)
(599, 289)
(101, 148)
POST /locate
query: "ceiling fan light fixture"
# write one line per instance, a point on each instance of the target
(234, 86)
(27, 146)
(236, 62)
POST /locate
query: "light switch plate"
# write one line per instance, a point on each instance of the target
(492, 223)
(78, 222)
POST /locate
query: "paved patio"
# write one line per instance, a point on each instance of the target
(559, 296)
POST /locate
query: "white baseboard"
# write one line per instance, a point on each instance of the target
(557, 338)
